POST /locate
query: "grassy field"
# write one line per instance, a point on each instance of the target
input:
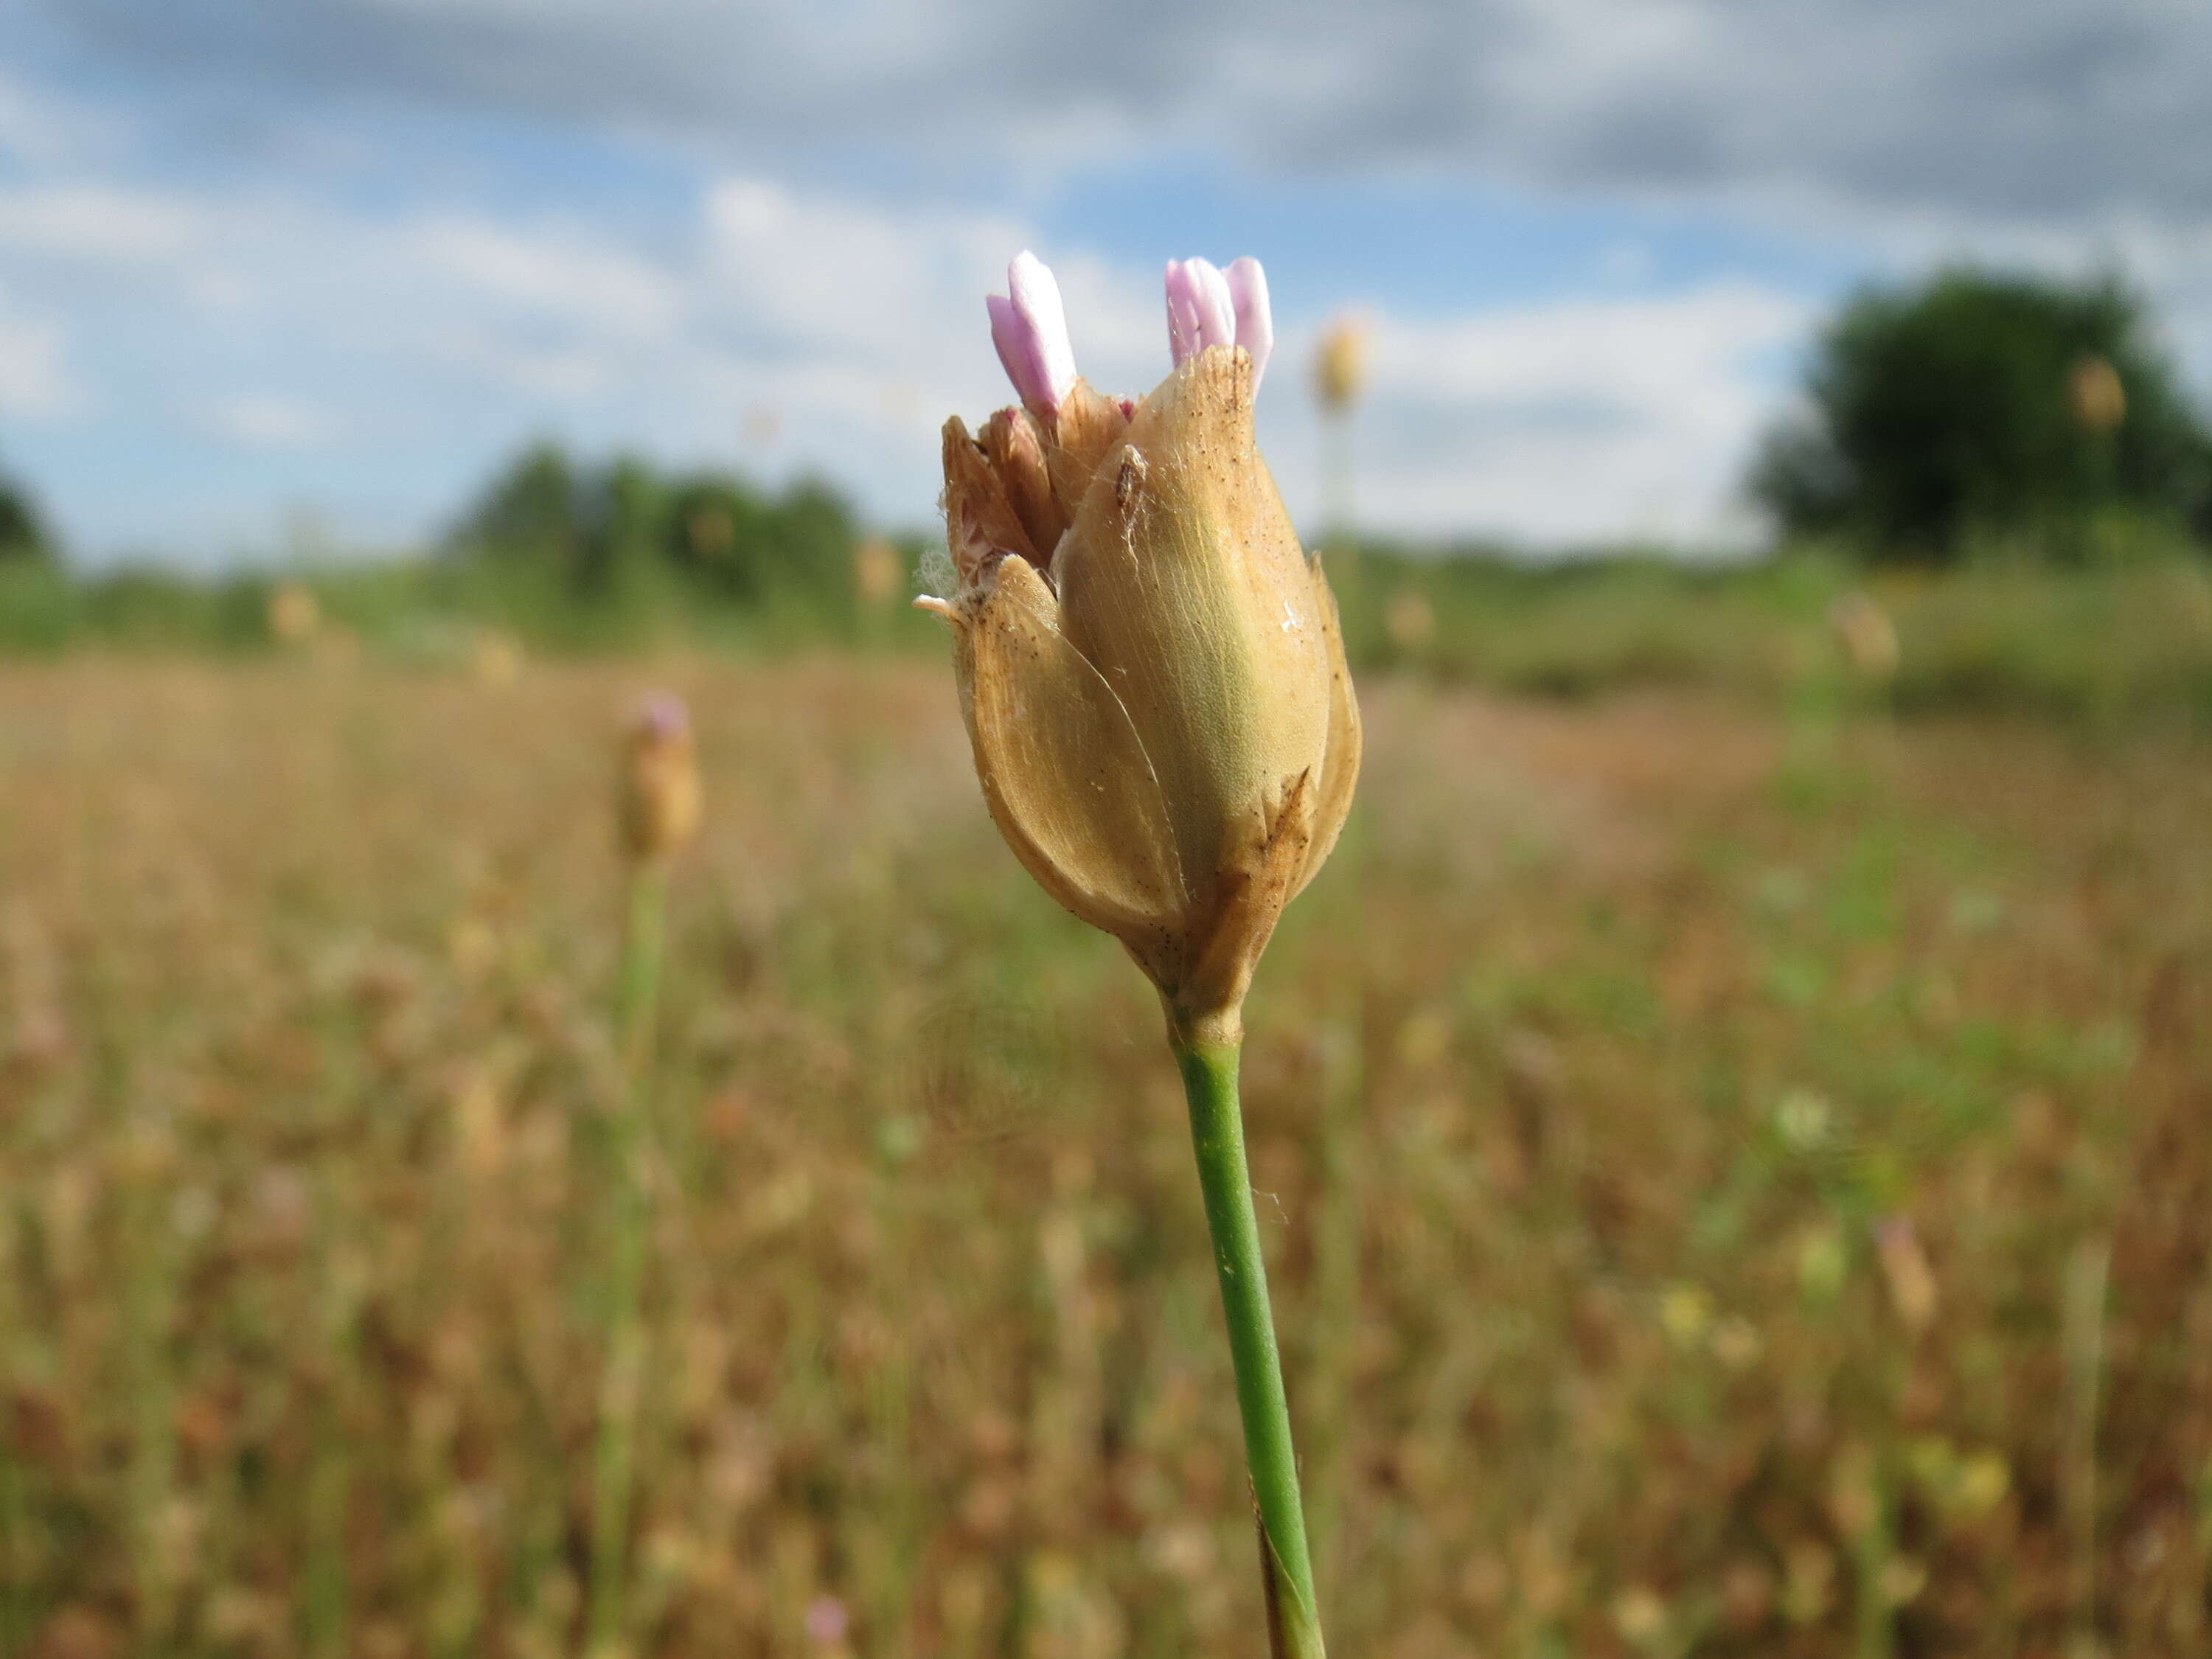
(1735, 1171)
(2108, 647)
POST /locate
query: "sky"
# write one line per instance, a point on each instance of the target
(286, 278)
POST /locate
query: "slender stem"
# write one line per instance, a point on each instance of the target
(1336, 481)
(1216, 1133)
(640, 970)
(615, 1453)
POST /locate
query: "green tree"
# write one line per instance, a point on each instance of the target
(627, 510)
(1982, 404)
(798, 545)
(22, 536)
(533, 511)
(610, 533)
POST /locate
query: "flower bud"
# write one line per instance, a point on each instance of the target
(658, 806)
(1150, 668)
(1340, 364)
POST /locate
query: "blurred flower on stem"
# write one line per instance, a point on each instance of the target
(658, 809)
(1340, 376)
(1339, 369)
(660, 804)
(1154, 685)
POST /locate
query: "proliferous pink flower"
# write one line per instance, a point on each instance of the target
(1151, 668)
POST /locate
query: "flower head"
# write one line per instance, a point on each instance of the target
(1150, 668)
(660, 801)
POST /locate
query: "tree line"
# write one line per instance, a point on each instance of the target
(598, 529)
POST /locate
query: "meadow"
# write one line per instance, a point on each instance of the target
(1731, 1144)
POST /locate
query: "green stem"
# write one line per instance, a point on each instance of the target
(1336, 483)
(641, 969)
(614, 1455)
(1216, 1133)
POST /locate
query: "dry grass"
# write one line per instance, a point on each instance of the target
(1739, 1185)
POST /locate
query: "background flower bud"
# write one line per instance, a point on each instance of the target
(1340, 364)
(660, 802)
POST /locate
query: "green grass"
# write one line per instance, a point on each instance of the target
(2105, 645)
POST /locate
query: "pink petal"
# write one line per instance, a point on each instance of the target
(1006, 336)
(1216, 310)
(1256, 319)
(1029, 326)
(1182, 313)
(1036, 298)
(1200, 313)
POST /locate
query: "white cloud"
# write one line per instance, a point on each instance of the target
(35, 380)
(269, 420)
(843, 276)
(99, 222)
(572, 275)
(567, 374)
(859, 326)
(357, 245)
(447, 317)
(38, 128)
(1977, 107)
(1580, 420)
